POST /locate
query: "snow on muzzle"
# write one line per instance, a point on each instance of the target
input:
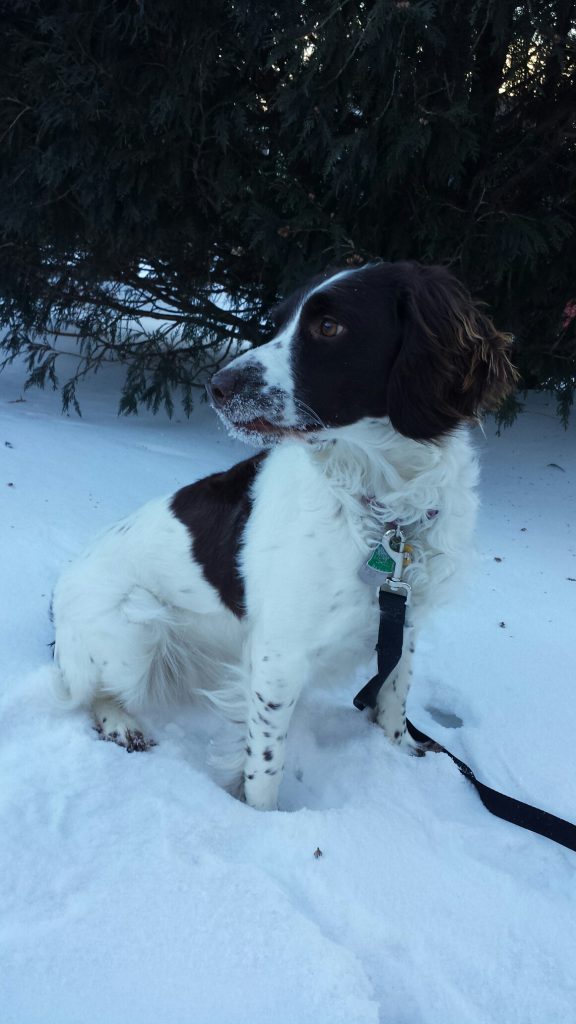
(245, 401)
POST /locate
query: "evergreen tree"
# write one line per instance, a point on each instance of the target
(169, 169)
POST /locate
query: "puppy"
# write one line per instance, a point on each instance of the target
(250, 579)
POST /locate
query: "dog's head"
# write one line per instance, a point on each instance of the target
(395, 340)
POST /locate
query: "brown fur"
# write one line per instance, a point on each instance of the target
(452, 363)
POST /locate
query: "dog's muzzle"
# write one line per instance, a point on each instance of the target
(241, 396)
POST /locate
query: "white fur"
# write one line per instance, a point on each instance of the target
(136, 619)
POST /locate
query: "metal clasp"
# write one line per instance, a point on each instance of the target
(388, 561)
(394, 586)
(394, 543)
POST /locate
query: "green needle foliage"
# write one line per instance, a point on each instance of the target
(169, 169)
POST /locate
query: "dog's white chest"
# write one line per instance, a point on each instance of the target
(301, 561)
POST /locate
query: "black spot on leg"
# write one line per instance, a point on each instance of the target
(271, 771)
(250, 777)
(266, 658)
(267, 755)
(262, 719)
(260, 697)
(273, 707)
(397, 734)
(267, 735)
(249, 751)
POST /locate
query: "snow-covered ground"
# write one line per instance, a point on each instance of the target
(133, 888)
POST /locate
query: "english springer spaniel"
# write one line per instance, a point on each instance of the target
(250, 579)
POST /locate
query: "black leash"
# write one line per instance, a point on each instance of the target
(389, 649)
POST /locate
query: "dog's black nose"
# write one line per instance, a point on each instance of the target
(222, 386)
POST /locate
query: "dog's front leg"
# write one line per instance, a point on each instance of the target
(391, 700)
(276, 681)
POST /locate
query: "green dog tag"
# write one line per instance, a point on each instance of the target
(387, 560)
(380, 560)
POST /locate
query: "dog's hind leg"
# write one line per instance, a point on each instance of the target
(104, 662)
(83, 678)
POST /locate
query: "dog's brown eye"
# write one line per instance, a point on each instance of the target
(329, 328)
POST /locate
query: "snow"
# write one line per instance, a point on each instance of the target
(133, 888)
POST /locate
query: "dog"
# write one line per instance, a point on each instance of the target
(249, 581)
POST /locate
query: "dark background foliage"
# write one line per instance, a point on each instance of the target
(169, 169)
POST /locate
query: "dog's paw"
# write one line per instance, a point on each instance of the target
(397, 733)
(408, 745)
(131, 739)
(136, 740)
(114, 725)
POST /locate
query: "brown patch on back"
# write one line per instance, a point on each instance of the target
(215, 511)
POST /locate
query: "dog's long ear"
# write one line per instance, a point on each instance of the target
(452, 362)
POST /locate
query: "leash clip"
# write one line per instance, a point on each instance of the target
(394, 544)
(388, 561)
(394, 586)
